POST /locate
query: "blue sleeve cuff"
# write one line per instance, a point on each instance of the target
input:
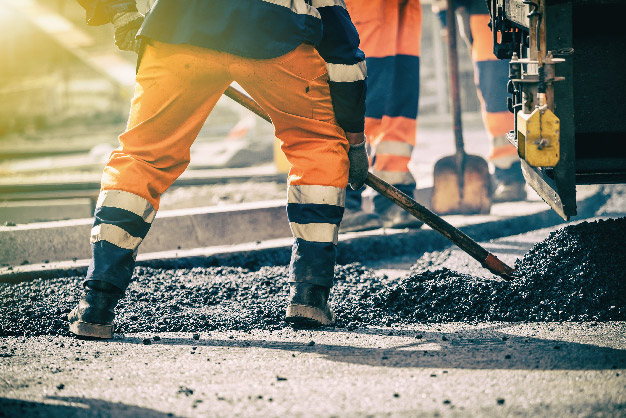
(349, 104)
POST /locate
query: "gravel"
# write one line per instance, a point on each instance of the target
(577, 274)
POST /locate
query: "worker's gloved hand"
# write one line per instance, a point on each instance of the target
(359, 165)
(126, 26)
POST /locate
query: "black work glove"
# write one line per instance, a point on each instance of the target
(126, 26)
(359, 165)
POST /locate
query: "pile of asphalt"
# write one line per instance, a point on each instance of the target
(578, 273)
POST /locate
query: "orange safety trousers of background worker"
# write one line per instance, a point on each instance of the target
(390, 32)
(491, 77)
(177, 87)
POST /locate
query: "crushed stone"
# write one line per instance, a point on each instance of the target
(578, 273)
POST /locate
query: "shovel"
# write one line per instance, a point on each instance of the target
(462, 183)
(464, 242)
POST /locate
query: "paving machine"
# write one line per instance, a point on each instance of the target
(567, 86)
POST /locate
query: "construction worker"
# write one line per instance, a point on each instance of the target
(300, 61)
(491, 77)
(390, 32)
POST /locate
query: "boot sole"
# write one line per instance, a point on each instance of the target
(87, 329)
(308, 316)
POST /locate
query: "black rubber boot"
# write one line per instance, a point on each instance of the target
(359, 220)
(94, 314)
(396, 217)
(510, 185)
(308, 306)
(393, 216)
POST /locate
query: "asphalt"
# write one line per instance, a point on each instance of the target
(210, 341)
(578, 273)
(428, 370)
(245, 235)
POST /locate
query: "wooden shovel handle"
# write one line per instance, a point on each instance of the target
(458, 237)
(247, 102)
(453, 75)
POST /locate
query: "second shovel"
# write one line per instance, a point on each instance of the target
(462, 183)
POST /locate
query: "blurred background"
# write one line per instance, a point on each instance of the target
(65, 91)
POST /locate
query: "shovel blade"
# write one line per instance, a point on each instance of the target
(475, 197)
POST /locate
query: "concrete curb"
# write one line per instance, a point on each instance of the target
(88, 185)
(508, 219)
(34, 211)
(47, 242)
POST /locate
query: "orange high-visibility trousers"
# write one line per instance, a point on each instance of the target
(390, 33)
(177, 87)
(491, 76)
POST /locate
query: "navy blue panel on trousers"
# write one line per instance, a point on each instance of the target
(512, 174)
(387, 78)
(492, 79)
(128, 221)
(308, 213)
(114, 264)
(382, 203)
(313, 262)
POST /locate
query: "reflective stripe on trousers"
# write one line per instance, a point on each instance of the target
(314, 214)
(122, 220)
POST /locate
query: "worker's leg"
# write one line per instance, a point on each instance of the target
(375, 35)
(396, 79)
(293, 90)
(177, 86)
(390, 37)
(491, 76)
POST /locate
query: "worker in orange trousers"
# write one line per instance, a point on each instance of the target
(300, 60)
(491, 78)
(390, 32)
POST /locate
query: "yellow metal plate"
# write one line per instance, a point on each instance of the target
(538, 137)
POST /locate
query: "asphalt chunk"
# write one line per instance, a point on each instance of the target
(184, 390)
(578, 273)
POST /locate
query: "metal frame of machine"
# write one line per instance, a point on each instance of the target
(567, 84)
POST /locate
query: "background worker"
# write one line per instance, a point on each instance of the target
(390, 32)
(300, 63)
(491, 76)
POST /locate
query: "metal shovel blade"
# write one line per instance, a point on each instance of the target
(468, 195)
